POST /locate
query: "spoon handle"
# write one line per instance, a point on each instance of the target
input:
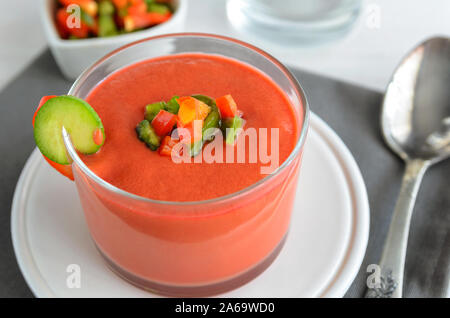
(390, 283)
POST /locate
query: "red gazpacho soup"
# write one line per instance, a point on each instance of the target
(196, 244)
(120, 100)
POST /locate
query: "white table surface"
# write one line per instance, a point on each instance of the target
(367, 56)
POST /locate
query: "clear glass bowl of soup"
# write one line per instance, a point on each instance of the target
(144, 215)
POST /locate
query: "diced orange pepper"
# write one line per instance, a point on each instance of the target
(201, 110)
(227, 106)
(144, 19)
(90, 8)
(186, 113)
(191, 109)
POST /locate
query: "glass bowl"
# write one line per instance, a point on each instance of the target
(191, 248)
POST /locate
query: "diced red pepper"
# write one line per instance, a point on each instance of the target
(167, 144)
(61, 17)
(227, 106)
(137, 7)
(157, 18)
(81, 32)
(61, 20)
(65, 170)
(88, 6)
(164, 122)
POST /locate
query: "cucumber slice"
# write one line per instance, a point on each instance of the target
(80, 120)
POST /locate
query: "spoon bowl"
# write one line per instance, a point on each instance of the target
(415, 117)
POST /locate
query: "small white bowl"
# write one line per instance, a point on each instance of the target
(74, 56)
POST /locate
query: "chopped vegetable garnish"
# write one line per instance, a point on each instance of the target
(195, 117)
(166, 146)
(157, 7)
(196, 147)
(147, 134)
(120, 3)
(153, 109)
(194, 129)
(164, 122)
(110, 17)
(172, 105)
(143, 20)
(201, 110)
(212, 121)
(191, 109)
(227, 106)
(106, 24)
(68, 30)
(186, 113)
(230, 127)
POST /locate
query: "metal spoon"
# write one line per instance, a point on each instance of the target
(415, 121)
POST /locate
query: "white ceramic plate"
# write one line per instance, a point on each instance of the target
(321, 257)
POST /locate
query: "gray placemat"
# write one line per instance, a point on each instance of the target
(351, 111)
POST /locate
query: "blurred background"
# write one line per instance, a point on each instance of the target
(383, 32)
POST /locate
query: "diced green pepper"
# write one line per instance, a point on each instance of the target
(152, 110)
(106, 24)
(105, 7)
(87, 19)
(157, 7)
(206, 99)
(147, 134)
(233, 124)
(213, 119)
(172, 105)
(122, 12)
